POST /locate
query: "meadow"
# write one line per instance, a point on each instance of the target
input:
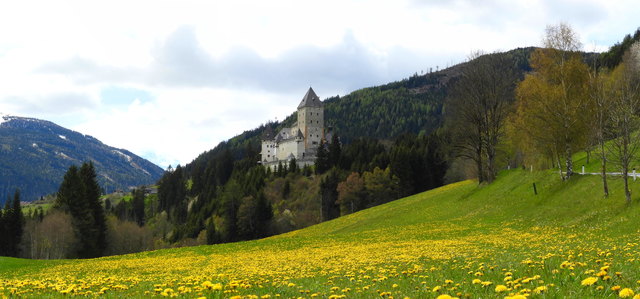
(461, 240)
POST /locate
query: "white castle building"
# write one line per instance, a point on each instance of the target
(301, 141)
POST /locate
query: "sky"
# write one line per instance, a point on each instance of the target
(169, 80)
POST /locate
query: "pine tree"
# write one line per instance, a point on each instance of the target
(79, 195)
(138, 205)
(322, 159)
(4, 238)
(335, 151)
(91, 194)
(329, 195)
(212, 234)
(15, 225)
(264, 213)
(293, 166)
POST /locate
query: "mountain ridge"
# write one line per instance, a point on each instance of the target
(35, 154)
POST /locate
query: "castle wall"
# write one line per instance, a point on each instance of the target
(288, 147)
(269, 151)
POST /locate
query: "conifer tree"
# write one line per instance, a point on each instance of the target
(212, 234)
(138, 206)
(322, 159)
(15, 225)
(264, 213)
(293, 166)
(91, 194)
(3, 233)
(335, 151)
(79, 195)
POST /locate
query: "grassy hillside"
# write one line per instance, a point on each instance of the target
(462, 240)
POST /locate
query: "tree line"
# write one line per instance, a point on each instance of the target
(568, 102)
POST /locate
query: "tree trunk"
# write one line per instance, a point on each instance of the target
(568, 154)
(491, 156)
(627, 192)
(479, 166)
(603, 156)
(559, 166)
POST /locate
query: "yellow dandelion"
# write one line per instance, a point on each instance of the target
(589, 281)
(444, 297)
(476, 281)
(501, 288)
(540, 290)
(626, 293)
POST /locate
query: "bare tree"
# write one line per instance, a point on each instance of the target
(477, 108)
(51, 238)
(625, 95)
(598, 82)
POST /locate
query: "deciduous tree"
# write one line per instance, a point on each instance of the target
(625, 95)
(554, 110)
(477, 108)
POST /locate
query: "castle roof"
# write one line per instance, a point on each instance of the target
(268, 133)
(300, 135)
(310, 99)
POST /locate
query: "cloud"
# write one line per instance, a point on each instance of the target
(54, 103)
(180, 61)
(85, 71)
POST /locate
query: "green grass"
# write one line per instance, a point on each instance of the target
(421, 246)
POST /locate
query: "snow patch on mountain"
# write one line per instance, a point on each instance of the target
(122, 155)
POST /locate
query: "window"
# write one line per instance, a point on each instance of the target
(315, 142)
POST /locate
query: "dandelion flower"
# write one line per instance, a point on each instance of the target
(626, 293)
(589, 281)
(540, 289)
(501, 288)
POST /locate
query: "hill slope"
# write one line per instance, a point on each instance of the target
(460, 239)
(35, 154)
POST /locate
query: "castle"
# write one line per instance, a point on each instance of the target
(301, 141)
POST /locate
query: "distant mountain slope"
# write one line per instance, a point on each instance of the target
(35, 154)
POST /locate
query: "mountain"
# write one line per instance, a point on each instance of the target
(35, 154)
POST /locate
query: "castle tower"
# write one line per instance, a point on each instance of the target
(311, 119)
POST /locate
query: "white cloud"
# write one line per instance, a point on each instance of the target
(189, 74)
